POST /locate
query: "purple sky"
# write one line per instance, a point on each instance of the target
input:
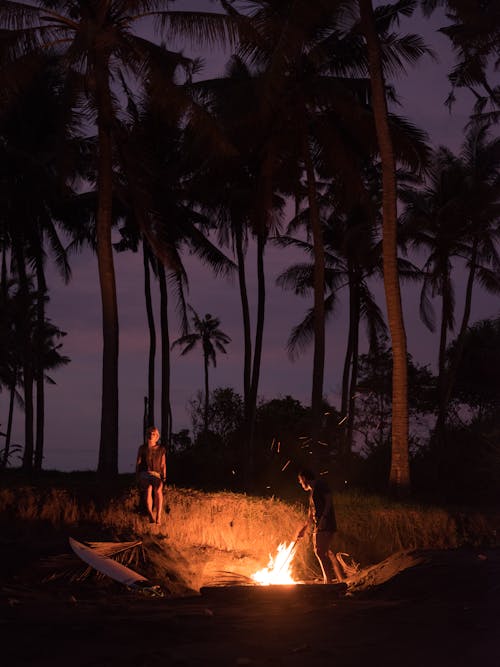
(73, 405)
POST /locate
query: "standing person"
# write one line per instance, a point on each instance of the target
(321, 517)
(151, 472)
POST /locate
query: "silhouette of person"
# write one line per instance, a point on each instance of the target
(321, 517)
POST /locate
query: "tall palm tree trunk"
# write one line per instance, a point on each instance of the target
(248, 413)
(265, 199)
(247, 338)
(40, 423)
(346, 374)
(440, 428)
(108, 446)
(259, 335)
(12, 387)
(10, 419)
(27, 370)
(28, 416)
(447, 374)
(399, 478)
(166, 420)
(460, 344)
(40, 383)
(207, 395)
(348, 382)
(351, 411)
(150, 413)
(319, 296)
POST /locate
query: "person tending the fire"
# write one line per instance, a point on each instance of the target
(321, 517)
(151, 472)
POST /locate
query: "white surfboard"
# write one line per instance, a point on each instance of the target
(112, 568)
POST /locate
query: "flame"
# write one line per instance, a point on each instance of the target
(278, 570)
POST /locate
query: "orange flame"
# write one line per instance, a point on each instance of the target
(278, 570)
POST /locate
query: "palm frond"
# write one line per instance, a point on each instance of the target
(70, 567)
(301, 336)
(298, 278)
(207, 29)
(427, 314)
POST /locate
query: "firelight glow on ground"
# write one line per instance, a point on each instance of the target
(279, 568)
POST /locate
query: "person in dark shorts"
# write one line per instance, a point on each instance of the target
(151, 473)
(321, 517)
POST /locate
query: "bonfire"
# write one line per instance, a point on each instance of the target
(279, 568)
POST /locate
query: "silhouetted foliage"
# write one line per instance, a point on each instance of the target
(478, 376)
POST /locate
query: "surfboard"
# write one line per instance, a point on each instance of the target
(113, 569)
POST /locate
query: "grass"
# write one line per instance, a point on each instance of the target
(208, 538)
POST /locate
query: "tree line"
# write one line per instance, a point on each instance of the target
(102, 127)
(356, 448)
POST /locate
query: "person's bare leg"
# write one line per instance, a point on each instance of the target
(158, 502)
(336, 566)
(321, 547)
(149, 502)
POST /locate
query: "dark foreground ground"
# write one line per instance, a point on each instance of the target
(444, 611)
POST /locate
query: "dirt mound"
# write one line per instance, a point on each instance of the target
(420, 573)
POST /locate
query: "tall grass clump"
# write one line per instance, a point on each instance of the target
(373, 527)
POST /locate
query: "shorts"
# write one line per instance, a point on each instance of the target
(148, 478)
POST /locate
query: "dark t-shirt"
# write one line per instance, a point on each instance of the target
(317, 499)
(149, 458)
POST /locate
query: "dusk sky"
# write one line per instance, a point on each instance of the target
(73, 405)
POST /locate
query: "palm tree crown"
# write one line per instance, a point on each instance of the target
(207, 332)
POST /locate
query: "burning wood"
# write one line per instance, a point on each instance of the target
(278, 570)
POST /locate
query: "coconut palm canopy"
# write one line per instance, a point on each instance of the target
(117, 77)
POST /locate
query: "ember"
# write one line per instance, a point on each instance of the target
(278, 570)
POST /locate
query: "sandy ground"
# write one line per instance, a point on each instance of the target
(418, 609)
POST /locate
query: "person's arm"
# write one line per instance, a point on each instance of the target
(164, 467)
(302, 531)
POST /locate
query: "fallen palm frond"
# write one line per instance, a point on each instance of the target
(350, 567)
(111, 549)
(69, 566)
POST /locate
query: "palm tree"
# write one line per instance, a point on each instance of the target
(481, 157)
(352, 256)
(312, 89)
(456, 217)
(283, 42)
(11, 357)
(147, 259)
(97, 45)
(399, 477)
(47, 357)
(433, 220)
(243, 191)
(34, 190)
(207, 333)
(18, 314)
(474, 32)
(155, 150)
